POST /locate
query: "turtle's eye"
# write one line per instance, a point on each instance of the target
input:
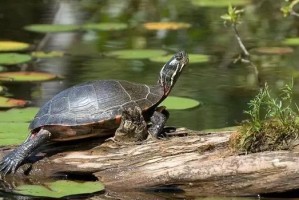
(178, 56)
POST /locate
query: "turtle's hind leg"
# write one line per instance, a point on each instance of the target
(14, 159)
(133, 127)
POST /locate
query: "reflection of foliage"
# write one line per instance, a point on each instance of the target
(272, 124)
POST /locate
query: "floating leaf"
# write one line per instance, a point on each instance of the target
(52, 28)
(166, 25)
(179, 103)
(291, 41)
(137, 53)
(14, 125)
(60, 188)
(105, 26)
(18, 114)
(273, 50)
(12, 133)
(10, 102)
(13, 58)
(219, 3)
(194, 58)
(26, 76)
(51, 54)
(13, 46)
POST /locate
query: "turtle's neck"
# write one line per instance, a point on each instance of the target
(172, 70)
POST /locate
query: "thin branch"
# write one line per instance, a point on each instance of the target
(241, 44)
(294, 13)
(247, 54)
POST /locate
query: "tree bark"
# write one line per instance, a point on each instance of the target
(198, 163)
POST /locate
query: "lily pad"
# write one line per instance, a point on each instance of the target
(105, 26)
(137, 53)
(13, 58)
(273, 50)
(51, 54)
(18, 114)
(26, 76)
(52, 28)
(60, 188)
(219, 3)
(166, 25)
(10, 102)
(194, 58)
(13, 46)
(12, 133)
(291, 41)
(14, 125)
(179, 103)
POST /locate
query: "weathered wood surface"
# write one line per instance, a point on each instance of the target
(198, 164)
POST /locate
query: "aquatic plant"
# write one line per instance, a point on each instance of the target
(272, 123)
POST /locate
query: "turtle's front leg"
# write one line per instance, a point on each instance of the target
(14, 159)
(133, 127)
(158, 120)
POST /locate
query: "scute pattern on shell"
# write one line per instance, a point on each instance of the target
(95, 101)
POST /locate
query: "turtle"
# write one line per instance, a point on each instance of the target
(95, 108)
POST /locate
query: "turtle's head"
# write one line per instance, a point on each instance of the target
(172, 70)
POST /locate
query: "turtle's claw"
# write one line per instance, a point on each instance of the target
(2, 167)
(10, 163)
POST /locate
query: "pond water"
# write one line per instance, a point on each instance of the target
(223, 87)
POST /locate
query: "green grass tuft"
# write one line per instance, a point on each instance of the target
(273, 123)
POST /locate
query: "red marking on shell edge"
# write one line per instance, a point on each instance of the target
(118, 119)
(17, 102)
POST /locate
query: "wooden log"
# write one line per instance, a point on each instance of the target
(199, 163)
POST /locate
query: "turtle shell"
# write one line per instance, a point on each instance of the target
(96, 102)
